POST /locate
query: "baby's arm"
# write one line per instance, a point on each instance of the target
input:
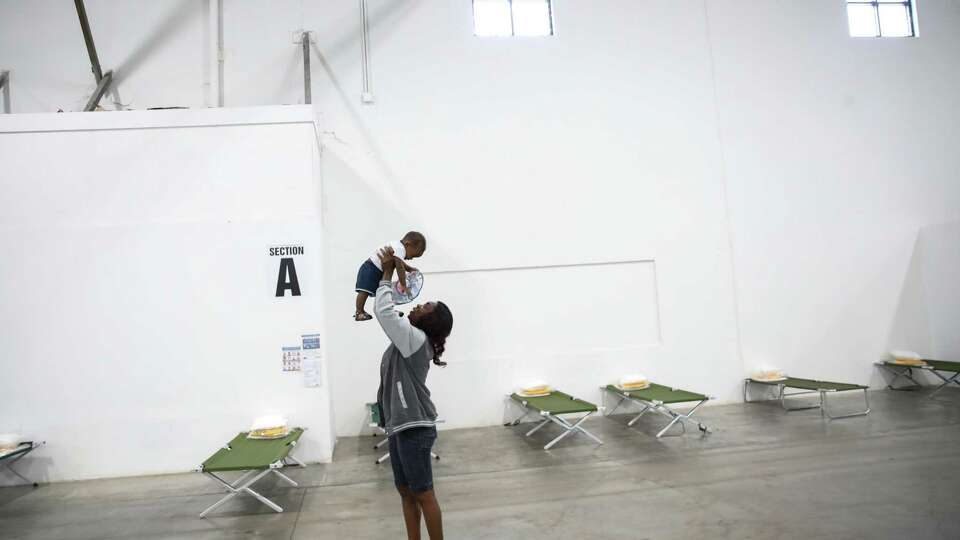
(401, 272)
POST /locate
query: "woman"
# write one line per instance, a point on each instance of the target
(409, 416)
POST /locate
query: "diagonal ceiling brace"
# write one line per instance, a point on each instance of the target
(5, 90)
(101, 89)
(103, 79)
(307, 87)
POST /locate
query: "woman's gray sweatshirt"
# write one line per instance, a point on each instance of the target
(403, 396)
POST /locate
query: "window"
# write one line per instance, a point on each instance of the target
(513, 17)
(881, 18)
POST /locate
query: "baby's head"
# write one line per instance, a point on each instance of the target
(414, 243)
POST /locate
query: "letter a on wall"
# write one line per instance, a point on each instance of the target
(287, 284)
(287, 278)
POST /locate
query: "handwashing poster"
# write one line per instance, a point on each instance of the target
(292, 359)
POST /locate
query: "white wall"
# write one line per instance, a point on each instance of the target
(606, 153)
(941, 278)
(141, 330)
(837, 152)
(644, 131)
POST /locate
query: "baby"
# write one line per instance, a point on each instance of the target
(411, 246)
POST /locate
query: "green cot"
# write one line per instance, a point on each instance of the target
(256, 458)
(13, 455)
(937, 367)
(810, 386)
(550, 408)
(657, 398)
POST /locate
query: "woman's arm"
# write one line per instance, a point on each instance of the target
(404, 335)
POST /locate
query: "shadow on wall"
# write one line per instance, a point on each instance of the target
(377, 20)
(910, 328)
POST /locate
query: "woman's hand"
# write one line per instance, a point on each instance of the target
(387, 262)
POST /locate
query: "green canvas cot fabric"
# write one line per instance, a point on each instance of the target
(663, 394)
(251, 454)
(556, 403)
(943, 365)
(374, 413)
(810, 384)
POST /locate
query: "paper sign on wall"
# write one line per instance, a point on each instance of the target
(311, 360)
(292, 359)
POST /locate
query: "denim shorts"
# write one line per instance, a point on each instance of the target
(368, 278)
(411, 459)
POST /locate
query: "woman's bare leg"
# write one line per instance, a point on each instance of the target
(411, 513)
(431, 514)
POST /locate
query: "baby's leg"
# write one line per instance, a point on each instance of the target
(361, 314)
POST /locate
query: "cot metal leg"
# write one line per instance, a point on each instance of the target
(15, 473)
(525, 412)
(946, 381)
(646, 407)
(784, 395)
(245, 488)
(238, 481)
(677, 417)
(285, 478)
(274, 506)
(615, 407)
(538, 426)
(826, 410)
(905, 372)
(568, 429)
(9, 467)
(746, 385)
(295, 460)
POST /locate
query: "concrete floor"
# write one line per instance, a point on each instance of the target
(762, 474)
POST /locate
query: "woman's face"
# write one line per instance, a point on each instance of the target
(421, 311)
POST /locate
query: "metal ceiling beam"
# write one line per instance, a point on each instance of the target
(103, 79)
(88, 39)
(305, 42)
(5, 89)
(102, 88)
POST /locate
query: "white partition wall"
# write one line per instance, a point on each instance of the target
(140, 324)
(941, 278)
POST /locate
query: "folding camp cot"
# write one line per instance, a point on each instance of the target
(373, 410)
(657, 397)
(550, 408)
(932, 366)
(257, 458)
(9, 457)
(810, 386)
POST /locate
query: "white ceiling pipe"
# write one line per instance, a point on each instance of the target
(366, 95)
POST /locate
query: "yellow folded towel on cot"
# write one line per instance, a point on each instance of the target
(269, 427)
(907, 358)
(634, 381)
(535, 388)
(768, 375)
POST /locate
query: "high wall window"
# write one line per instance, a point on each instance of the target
(513, 17)
(881, 18)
